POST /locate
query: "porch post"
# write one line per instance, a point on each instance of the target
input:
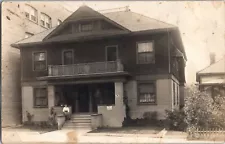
(51, 96)
(77, 108)
(90, 102)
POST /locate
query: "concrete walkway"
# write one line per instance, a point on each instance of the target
(79, 136)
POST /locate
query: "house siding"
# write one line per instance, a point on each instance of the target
(164, 98)
(40, 114)
(94, 51)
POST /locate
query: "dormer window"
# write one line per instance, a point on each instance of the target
(30, 13)
(85, 27)
(46, 20)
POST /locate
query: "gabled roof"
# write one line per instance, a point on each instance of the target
(215, 68)
(82, 13)
(129, 20)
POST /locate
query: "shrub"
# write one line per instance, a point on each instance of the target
(202, 110)
(29, 118)
(175, 120)
(150, 116)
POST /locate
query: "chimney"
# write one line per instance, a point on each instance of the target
(212, 58)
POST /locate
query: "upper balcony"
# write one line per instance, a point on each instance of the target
(85, 69)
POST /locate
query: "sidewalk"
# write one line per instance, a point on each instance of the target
(66, 136)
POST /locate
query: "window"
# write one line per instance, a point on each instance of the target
(86, 27)
(40, 97)
(178, 94)
(111, 53)
(59, 21)
(146, 93)
(39, 59)
(27, 34)
(174, 93)
(46, 20)
(30, 13)
(67, 57)
(145, 53)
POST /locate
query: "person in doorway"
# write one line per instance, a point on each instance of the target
(66, 111)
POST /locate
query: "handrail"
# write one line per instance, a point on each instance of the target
(85, 68)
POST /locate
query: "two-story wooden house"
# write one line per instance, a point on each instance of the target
(92, 60)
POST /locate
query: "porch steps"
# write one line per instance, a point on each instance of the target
(78, 121)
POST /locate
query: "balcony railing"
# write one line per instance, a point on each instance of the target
(85, 69)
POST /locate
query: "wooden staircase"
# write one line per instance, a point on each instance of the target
(78, 121)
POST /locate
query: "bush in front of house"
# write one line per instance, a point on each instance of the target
(204, 111)
(175, 120)
(201, 111)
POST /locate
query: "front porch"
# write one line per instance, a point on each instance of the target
(84, 98)
(103, 102)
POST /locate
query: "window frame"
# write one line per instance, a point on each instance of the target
(137, 53)
(138, 92)
(46, 16)
(66, 50)
(33, 60)
(34, 96)
(106, 52)
(59, 22)
(35, 11)
(86, 23)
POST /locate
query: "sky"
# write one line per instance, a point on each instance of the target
(202, 25)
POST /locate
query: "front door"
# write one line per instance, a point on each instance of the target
(83, 99)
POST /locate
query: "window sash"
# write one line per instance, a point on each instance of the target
(145, 47)
(147, 98)
(147, 93)
(146, 57)
(40, 97)
(86, 27)
(40, 56)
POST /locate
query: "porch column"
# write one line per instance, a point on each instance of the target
(90, 102)
(113, 115)
(76, 105)
(51, 96)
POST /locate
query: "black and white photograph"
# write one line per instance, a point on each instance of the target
(113, 72)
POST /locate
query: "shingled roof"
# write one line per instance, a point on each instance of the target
(131, 21)
(215, 68)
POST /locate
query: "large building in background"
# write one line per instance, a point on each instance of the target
(22, 20)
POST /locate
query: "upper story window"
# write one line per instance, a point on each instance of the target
(147, 93)
(85, 27)
(31, 13)
(145, 53)
(59, 22)
(46, 20)
(27, 34)
(39, 61)
(67, 57)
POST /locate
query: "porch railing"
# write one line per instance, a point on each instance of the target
(85, 68)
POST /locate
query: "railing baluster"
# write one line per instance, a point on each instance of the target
(86, 68)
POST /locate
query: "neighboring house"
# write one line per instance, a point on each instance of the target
(212, 78)
(92, 60)
(21, 20)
